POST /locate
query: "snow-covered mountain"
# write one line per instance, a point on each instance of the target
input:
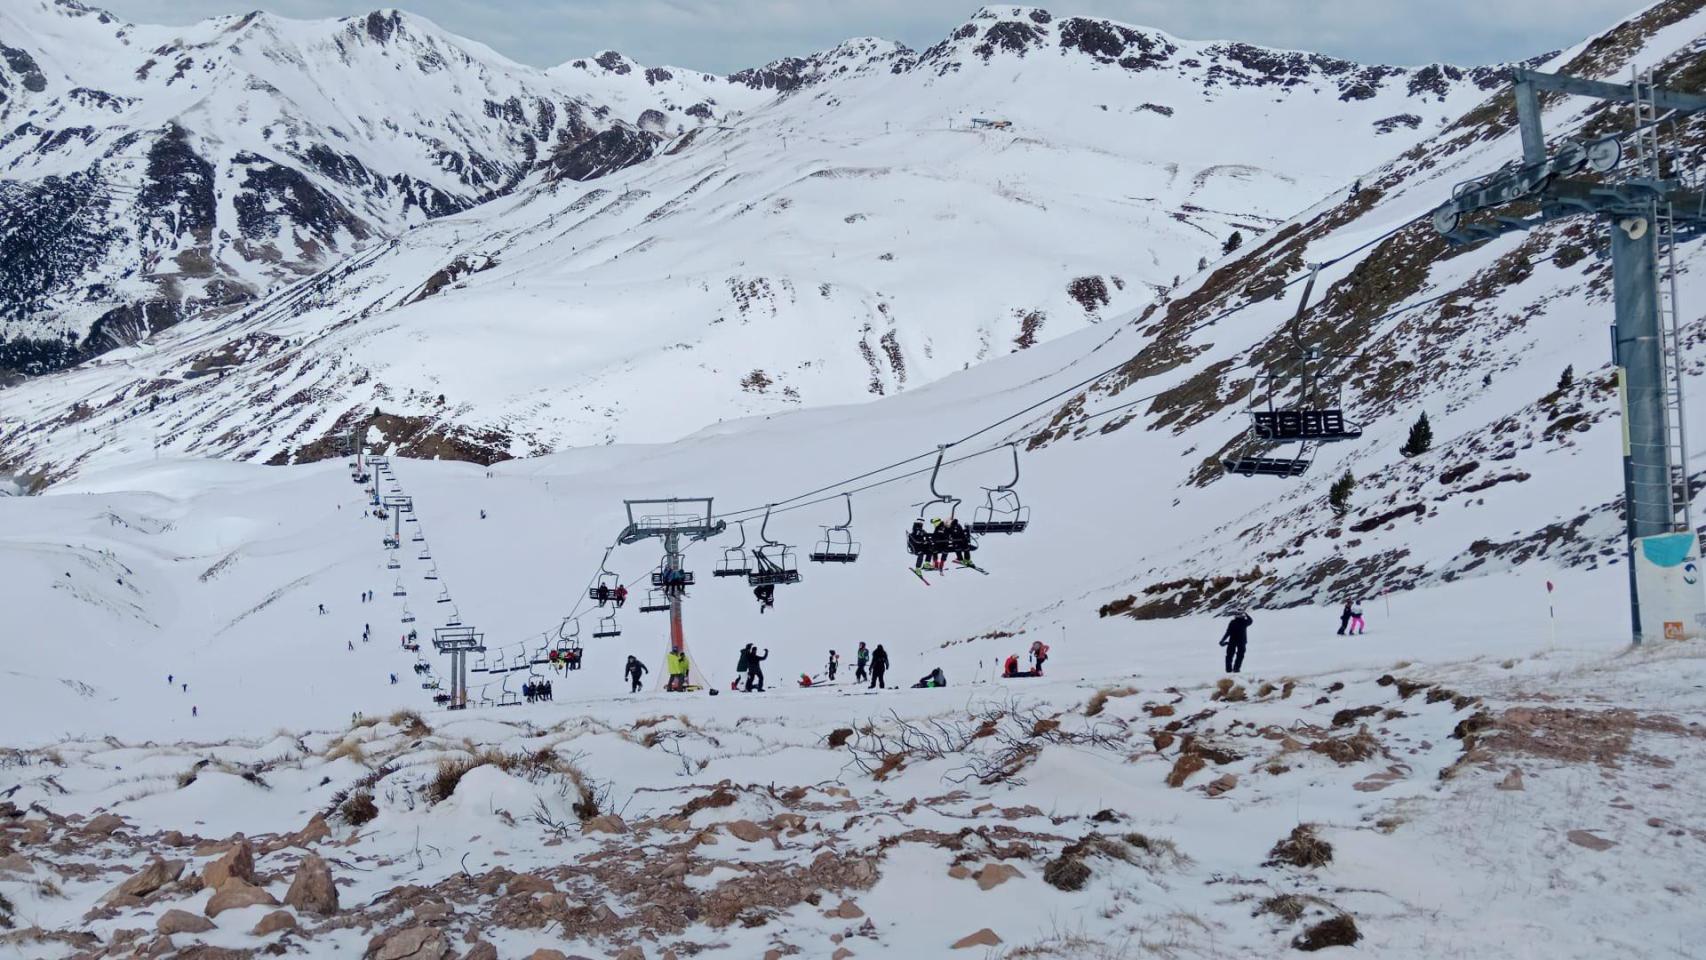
(153, 173)
(825, 230)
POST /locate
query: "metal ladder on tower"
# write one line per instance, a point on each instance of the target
(1650, 156)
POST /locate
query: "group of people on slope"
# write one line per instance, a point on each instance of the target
(1038, 655)
(930, 548)
(1350, 618)
(536, 691)
(604, 594)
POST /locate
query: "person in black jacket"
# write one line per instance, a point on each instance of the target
(879, 666)
(1235, 638)
(960, 539)
(755, 670)
(918, 542)
(634, 669)
(1344, 618)
(940, 543)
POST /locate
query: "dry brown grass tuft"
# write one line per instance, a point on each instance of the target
(1301, 849)
(1357, 747)
(347, 747)
(358, 809)
(1183, 767)
(410, 723)
(1100, 698)
(838, 738)
(451, 770)
(1286, 906)
(1339, 931)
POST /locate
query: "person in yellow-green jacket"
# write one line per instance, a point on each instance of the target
(676, 662)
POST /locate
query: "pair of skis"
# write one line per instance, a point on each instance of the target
(964, 566)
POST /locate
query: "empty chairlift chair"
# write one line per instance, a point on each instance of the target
(735, 562)
(1294, 401)
(837, 545)
(1002, 512)
(607, 628)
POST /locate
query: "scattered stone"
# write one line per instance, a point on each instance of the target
(481, 951)
(103, 825)
(1582, 838)
(182, 921)
(434, 911)
(415, 943)
(546, 953)
(239, 862)
(995, 874)
(847, 910)
(156, 874)
(315, 831)
(983, 938)
(236, 894)
(16, 863)
(174, 838)
(958, 871)
(607, 823)
(841, 954)
(1187, 764)
(1221, 784)
(312, 890)
(629, 953)
(531, 883)
(276, 921)
(745, 830)
(1512, 780)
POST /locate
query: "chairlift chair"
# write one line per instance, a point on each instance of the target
(478, 666)
(568, 635)
(1294, 400)
(773, 561)
(685, 581)
(486, 701)
(443, 595)
(508, 697)
(837, 545)
(407, 616)
(392, 563)
(735, 562)
(949, 500)
(425, 554)
(607, 628)
(455, 617)
(397, 589)
(1002, 512)
(655, 602)
(607, 581)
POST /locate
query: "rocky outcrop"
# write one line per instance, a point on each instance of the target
(312, 890)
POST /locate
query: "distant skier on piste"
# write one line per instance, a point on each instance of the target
(634, 670)
(834, 661)
(879, 666)
(1236, 637)
(862, 659)
(1345, 618)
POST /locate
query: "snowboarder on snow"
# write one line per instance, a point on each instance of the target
(862, 658)
(879, 666)
(634, 669)
(834, 661)
(1235, 638)
(1345, 618)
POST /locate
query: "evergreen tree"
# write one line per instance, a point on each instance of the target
(1339, 494)
(1233, 242)
(1421, 438)
(1567, 378)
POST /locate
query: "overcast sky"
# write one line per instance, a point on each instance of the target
(726, 35)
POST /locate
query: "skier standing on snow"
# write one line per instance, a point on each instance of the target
(677, 663)
(879, 666)
(1345, 618)
(863, 657)
(1234, 640)
(634, 669)
(834, 661)
(756, 672)
(1039, 655)
(1357, 626)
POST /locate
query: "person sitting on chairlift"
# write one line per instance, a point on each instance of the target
(918, 541)
(602, 594)
(960, 539)
(621, 595)
(940, 543)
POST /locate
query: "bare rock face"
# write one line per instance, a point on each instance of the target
(235, 894)
(274, 922)
(745, 830)
(982, 938)
(545, 953)
(239, 862)
(415, 943)
(16, 863)
(530, 883)
(156, 874)
(182, 921)
(312, 890)
(481, 951)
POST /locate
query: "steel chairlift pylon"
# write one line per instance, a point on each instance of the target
(838, 545)
(1002, 511)
(773, 560)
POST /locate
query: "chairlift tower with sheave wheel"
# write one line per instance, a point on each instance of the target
(671, 520)
(459, 641)
(1643, 210)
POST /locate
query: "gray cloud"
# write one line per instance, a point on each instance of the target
(726, 35)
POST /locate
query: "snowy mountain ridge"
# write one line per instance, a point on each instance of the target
(814, 243)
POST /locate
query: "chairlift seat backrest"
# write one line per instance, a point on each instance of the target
(1288, 425)
(1267, 466)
